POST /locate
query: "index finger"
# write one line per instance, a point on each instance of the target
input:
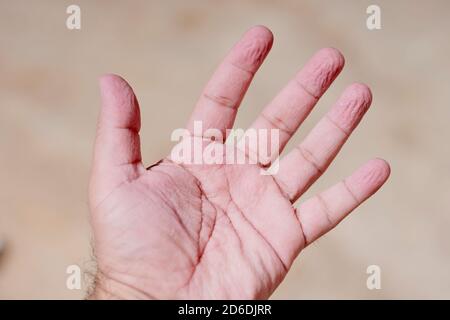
(221, 97)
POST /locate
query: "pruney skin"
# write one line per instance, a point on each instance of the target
(221, 231)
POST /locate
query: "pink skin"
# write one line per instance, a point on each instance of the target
(221, 231)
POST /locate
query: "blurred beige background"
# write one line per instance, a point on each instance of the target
(167, 50)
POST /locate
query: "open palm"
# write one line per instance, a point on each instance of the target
(192, 231)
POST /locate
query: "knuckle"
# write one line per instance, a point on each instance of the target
(221, 100)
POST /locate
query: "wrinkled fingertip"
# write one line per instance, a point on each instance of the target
(261, 31)
(383, 167)
(334, 55)
(373, 174)
(108, 79)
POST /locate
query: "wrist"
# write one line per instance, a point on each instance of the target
(106, 288)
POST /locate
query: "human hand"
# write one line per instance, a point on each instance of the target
(193, 231)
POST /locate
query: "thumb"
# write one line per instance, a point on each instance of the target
(117, 151)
